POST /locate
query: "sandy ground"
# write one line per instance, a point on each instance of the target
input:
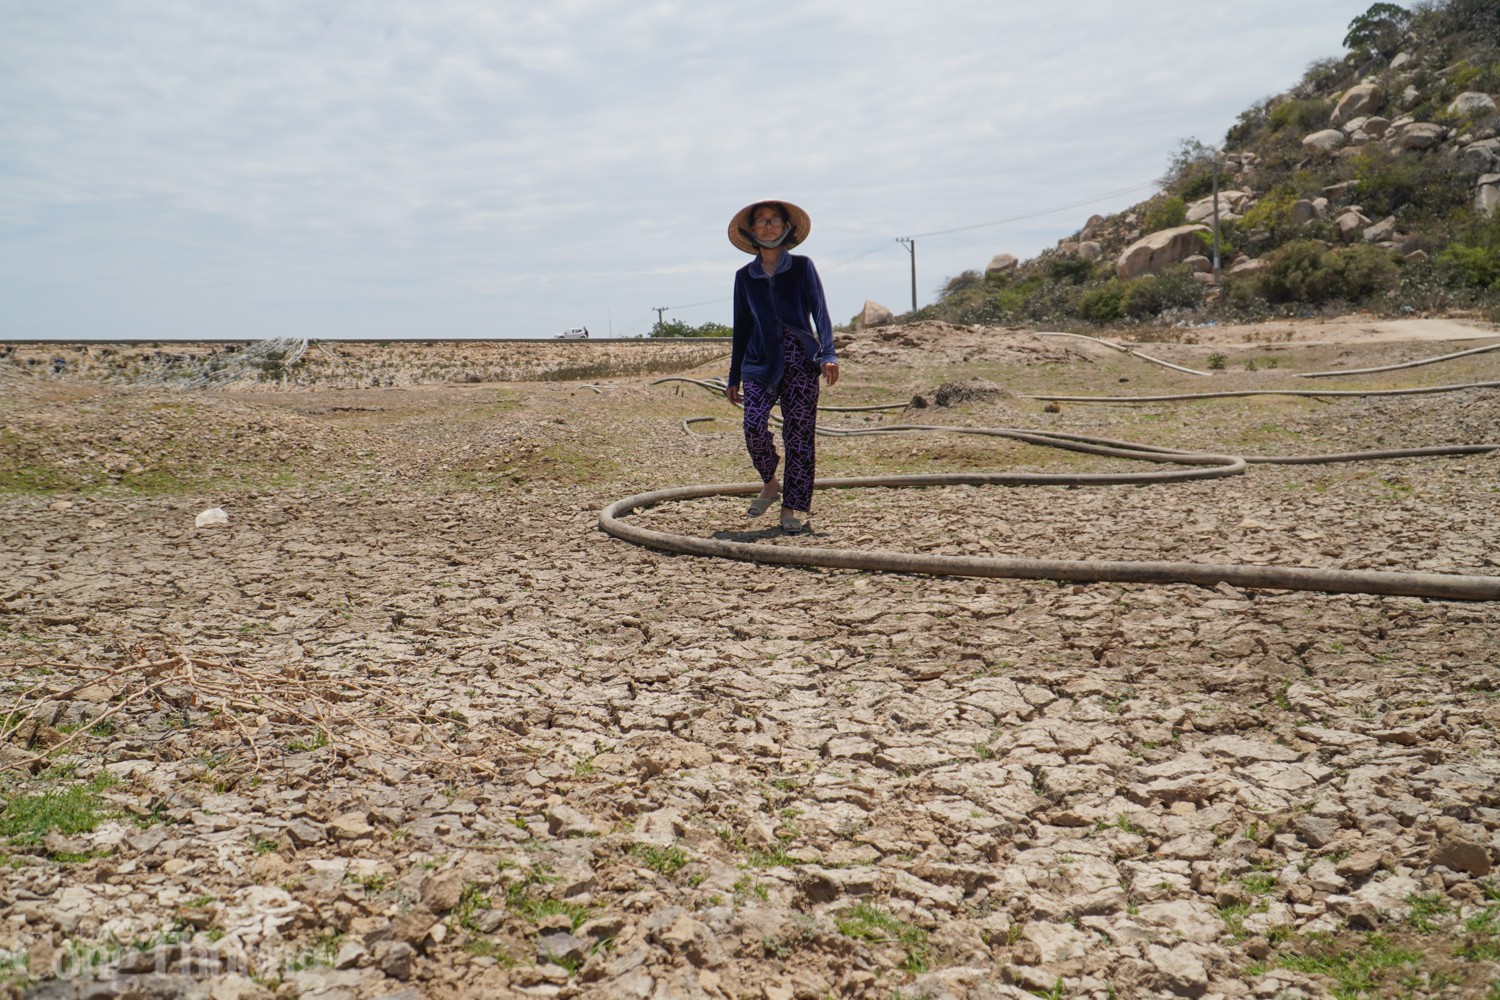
(409, 725)
(1347, 330)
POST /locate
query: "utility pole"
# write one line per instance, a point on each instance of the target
(659, 310)
(911, 247)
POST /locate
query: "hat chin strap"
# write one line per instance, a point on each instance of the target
(785, 234)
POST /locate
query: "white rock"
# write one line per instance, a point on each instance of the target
(1002, 263)
(211, 517)
(1389, 895)
(1203, 209)
(1159, 250)
(874, 314)
(1327, 140)
(1181, 967)
(1472, 103)
(1487, 198)
(1381, 231)
(1360, 99)
(1182, 920)
(1422, 135)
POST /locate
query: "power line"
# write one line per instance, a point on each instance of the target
(694, 305)
(862, 253)
(1034, 215)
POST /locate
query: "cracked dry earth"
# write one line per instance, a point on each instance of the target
(409, 725)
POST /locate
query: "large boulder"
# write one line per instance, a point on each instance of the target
(1472, 103)
(1422, 135)
(1361, 99)
(1350, 224)
(1381, 232)
(1002, 263)
(1325, 141)
(873, 314)
(1487, 198)
(1482, 157)
(1229, 201)
(1161, 249)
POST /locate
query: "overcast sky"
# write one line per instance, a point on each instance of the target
(181, 169)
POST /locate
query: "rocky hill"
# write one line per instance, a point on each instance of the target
(1370, 184)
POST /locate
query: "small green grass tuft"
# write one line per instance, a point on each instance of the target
(529, 901)
(746, 887)
(471, 900)
(1423, 907)
(27, 819)
(319, 954)
(1359, 970)
(317, 741)
(1259, 883)
(870, 923)
(665, 860)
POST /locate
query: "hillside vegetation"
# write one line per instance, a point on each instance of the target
(1371, 184)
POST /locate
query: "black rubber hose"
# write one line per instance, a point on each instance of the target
(1203, 466)
(1232, 393)
(1431, 585)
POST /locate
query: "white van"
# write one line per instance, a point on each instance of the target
(577, 333)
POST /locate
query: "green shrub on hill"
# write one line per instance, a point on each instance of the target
(1477, 19)
(1153, 294)
(1072, 270)
(1165, 214)
(1103, 304)
(1301, 115)
(1306, 271)
(1474, 259)
(959, 282)
(1189, 176)
(1229, 238)
(1406, 186)
(1324, 76)
(1477, 266)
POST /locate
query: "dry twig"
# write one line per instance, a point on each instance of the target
(232, 691)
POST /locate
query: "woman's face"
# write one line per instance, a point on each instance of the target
(767, 224)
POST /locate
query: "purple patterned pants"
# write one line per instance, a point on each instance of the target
(798, 395)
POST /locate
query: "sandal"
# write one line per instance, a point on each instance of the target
(760, 505)
(794, 522)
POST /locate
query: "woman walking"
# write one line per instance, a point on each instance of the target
(783, 340)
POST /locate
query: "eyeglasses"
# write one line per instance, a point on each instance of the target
(766, 223)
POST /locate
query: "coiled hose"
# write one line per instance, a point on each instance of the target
(1198, 466)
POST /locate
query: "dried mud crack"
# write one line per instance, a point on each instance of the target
(409, 725)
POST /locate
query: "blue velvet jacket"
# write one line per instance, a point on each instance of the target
(792, 295)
